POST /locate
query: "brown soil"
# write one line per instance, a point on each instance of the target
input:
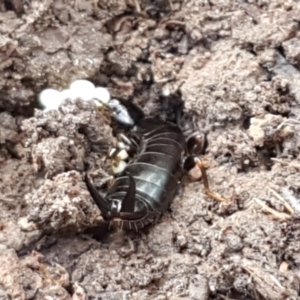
(235, 65)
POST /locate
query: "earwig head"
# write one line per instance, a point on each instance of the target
(125, 113)
(120, 113)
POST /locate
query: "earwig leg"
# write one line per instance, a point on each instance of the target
(121, 155)
(118, 166)
(118, 158)
(192, 165)
(196, 144)
(125, 139)
(118, 154)
(204, 174)
(208, 191)
(127, 143)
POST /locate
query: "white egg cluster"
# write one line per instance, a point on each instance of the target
(85, 90)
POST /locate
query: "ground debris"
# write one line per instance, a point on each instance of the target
(235, 67)
(62, 204)
(266, 282)
(30, 277)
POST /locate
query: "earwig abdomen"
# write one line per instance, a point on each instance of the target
(148, 184)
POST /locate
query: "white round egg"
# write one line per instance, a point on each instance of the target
(102, 95)
(68, 94)
(50, 99)
(82, 89)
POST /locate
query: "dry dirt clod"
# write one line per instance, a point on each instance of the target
(235, 67)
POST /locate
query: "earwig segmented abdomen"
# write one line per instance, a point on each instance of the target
(157, 168)
(148, 184)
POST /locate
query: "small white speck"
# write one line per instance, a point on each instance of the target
(122, 154)
(166, 92)
(121, 145)
(111, 152)
(120, 167)
(98, 104)
(89, 60)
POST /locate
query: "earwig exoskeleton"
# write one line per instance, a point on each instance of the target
(144, 189)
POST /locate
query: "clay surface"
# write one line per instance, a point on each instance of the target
(234, 66)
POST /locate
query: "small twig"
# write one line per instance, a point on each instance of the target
(292, 164)
(287, 123)
(137, 6)
(171, 4)
(284, 163)
(292, 200)
(7, 200)
(272, 211)
(281, 199)
(225, 298)
(175, 23)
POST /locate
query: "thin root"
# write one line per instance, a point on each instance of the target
(171, 4)
(137, 6)
(288, 122)
(284, 202)
(275, 213)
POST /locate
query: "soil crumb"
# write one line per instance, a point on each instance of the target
(234, 69)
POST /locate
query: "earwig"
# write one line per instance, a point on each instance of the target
(143, 191)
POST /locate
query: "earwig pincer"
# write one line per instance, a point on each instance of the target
(143, 191)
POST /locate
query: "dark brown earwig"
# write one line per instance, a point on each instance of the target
(145, 188)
